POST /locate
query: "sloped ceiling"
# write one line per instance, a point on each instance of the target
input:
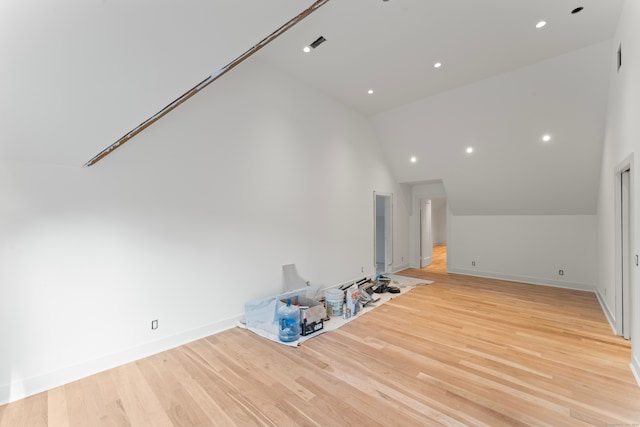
(79, 74)
(391, 46)
(511, 170)
(503, 84)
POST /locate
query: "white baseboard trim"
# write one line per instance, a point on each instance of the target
(401, 267)
(635, 368)
(525, 279)
(364, 276)
(607, 313)
(26, 387)
(348, 282)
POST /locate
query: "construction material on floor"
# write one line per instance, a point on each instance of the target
(262, 319)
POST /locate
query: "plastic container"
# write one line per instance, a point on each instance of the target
(334, 299)
(288, 322)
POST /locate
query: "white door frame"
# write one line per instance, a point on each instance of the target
(426, 233)
(387, 199)
(624, 260)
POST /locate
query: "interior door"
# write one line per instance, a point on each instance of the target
(383, 232)
(626, 253)
(426, 234)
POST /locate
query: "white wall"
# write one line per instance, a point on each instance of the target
(512, 171)
(87, 72)
(439, 221)
(184, 224)
(530, 249)
(426, 233)
(622, 140)
(541, 218)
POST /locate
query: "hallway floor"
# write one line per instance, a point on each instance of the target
(439, 260)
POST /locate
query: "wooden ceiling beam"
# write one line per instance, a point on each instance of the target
(204, 83)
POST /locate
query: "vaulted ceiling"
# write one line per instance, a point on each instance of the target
(502, 85)
(392, 46)
(108, 65)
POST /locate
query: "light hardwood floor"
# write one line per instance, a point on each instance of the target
(438, 260)
(461, 351)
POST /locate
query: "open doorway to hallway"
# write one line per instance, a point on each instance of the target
(438, 260)
(383, 236)
(433, 235)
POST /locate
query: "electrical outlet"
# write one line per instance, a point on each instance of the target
(561, 272)
(154, 324)
(473, 263)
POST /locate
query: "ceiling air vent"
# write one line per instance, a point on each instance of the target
(619, 57)
(318, 42)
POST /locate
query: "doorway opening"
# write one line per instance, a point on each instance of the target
(383, 232)
(438, 261)
(426, 233)
(623, 253)
(433, 235)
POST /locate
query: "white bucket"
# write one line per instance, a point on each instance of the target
(335, 301)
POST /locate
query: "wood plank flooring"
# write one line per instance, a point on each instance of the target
(461, 351)
(438, 260)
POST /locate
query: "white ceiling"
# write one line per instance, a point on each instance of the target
(79, 74)
(503, 84)
(511, 171)
(391, 46)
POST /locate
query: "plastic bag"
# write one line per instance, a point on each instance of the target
(353, 301)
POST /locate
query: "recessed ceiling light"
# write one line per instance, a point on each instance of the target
(546, 138)
(437, 65)
(541, 24)
(306, 49)
(469, 150)
(577, 10)
(413, 159)
(370, 91)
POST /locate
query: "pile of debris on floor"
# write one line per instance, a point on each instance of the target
(303, 311)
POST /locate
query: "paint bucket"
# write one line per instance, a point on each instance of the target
(334, 299)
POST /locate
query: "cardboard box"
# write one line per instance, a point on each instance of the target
(311, 314)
